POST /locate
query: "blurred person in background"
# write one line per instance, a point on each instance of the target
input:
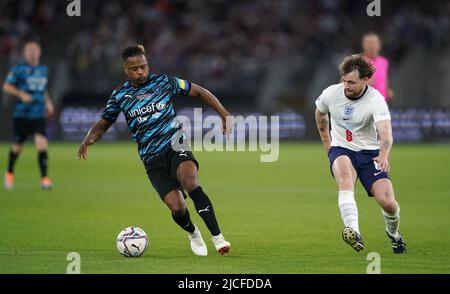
(27, 82)
(380, 80)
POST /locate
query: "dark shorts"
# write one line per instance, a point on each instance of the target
(162, 170)
(368, 173)
(24, 127)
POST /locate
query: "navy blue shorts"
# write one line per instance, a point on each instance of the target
(366, 169)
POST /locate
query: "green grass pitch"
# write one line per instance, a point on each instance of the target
(280, 217)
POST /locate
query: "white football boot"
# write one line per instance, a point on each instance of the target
(198, 246)
(222, 246)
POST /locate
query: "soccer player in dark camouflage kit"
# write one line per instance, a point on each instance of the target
(27, 83)
(146, 102)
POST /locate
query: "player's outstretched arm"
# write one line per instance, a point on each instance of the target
(14, 91)
(384, 130)
(211, 100)
(323, 126)
(94, 134)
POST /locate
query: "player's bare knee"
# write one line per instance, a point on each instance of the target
(190, 184)
(178, 208)
(16, 148)
(41, 143)
(178, 211)
(387, 202)
(187, 176)
(345, 181)
(175, 202)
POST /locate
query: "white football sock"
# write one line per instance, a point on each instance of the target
(392, 222)
(349, 211)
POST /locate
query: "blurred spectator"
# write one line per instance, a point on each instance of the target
(219, 42)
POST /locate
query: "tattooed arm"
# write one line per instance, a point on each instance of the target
(323, 125)
(94, 134)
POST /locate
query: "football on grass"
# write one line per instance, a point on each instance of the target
(132, 242)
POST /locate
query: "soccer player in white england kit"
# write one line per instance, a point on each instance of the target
(359, 147)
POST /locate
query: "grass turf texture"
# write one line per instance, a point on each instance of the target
(280, 217)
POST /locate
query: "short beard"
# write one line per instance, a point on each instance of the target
(356, 96)
(353, 95)
(140, 82)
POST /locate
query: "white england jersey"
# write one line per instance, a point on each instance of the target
(353, 121)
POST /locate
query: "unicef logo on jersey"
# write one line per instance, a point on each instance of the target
(153, 110)
(348, 111)
(160, 106)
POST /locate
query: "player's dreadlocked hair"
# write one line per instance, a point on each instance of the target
(357, 62)
(135, 50)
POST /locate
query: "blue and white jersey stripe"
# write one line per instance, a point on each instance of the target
(149, 111)
(33, 80)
